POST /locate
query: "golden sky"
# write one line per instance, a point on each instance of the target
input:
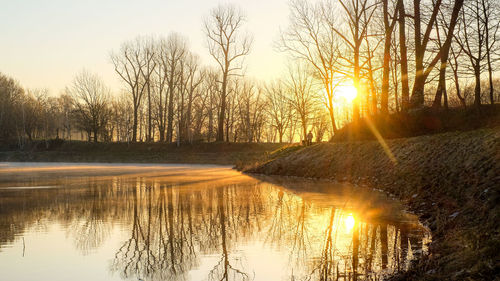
(45, 43)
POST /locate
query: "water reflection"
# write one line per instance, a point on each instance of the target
(216, 224)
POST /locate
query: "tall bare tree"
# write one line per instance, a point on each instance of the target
(227, 45)
(444, 49)
(310, 38)
(358, 15)
(471, 38)
(403, 57)
(195, 76)
(302, 95)
(389, 24)
(148, 53)
(491, 19)
(129, 62)
(175, 50)
(421, 41)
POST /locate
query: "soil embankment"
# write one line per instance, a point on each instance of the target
(451, 180)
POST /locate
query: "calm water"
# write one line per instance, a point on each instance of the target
(174, 222)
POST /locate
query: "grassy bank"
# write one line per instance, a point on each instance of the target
(451, 180)
(77, 151)
(423, 121)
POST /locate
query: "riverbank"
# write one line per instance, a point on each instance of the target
(451, 180)
(78, 151)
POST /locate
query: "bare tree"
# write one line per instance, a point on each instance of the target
(148, 56)
(91, 102)
(11, 95)
(302, 95)
(251, 110)
(421, 45)
(471, 37)
(320, 124)
(66, 107)
(32, 108)
(444, 50)
(357, 15)
(389, 24)
(175, 50)
(456, 53)
(279, 108)
(226, 45)
(192, 81)
(491, 20)
(129, 63)
(213, 91)
(403, 57)
(160, 87)
(310, 38)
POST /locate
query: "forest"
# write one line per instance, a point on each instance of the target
(348, 60)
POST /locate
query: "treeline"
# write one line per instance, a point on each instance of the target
(399, 55)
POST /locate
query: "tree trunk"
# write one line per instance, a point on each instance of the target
(457, 87)
(170, 114)
(134, 126)
(405, 89)
(445, 98)
(304, 128)
(187, 127)
(488, 47)
(330, 109)
(445, 53)
(477, 88)
(162, 133)
(356, 101)
(332, 118)
(441, 84)
(149, 112)
(417, 95)
(384, 96)
(220, 122)
(490, 73)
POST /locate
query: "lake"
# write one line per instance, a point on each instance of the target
(62, 221)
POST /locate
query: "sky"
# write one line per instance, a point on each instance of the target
(44, 44)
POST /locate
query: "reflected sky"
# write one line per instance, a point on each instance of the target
(178, 222)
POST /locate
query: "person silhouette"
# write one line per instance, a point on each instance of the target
(309, 138)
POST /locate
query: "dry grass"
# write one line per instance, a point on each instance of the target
(451, 180)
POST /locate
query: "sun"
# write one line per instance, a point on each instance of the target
(346, 92)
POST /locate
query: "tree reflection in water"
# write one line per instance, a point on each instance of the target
(176, 226)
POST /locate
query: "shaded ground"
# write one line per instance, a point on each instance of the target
(451, 180)
(78, 151)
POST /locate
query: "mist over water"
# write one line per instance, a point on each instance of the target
(178, 222)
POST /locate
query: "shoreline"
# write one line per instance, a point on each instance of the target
(450, 181)
(153, 153)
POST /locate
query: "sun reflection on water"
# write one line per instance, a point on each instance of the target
(349, 222)
(182, 225)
